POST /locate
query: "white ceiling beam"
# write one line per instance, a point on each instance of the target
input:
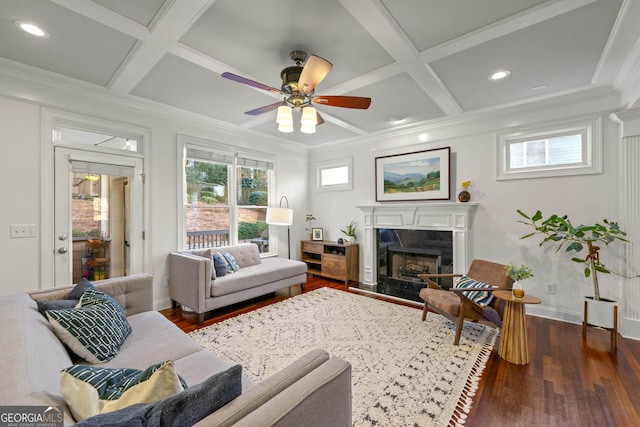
(177, 19)
(101, 14)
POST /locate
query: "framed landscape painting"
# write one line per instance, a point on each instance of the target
(421, 175)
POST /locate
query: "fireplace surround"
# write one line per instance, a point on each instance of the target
(427, 236)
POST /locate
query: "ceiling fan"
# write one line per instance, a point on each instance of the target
(298, 89)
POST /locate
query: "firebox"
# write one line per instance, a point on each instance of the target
(404, 254)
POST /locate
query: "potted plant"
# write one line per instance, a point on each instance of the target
(309, 219)
(559, 229)
(518, 272)
(350, 231)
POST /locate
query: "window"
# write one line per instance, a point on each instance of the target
(334, 175)
(561, 149)
(226, 195)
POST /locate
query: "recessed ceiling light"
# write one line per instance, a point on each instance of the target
(423, 137)
(32, 29)
(498, 75)
(397, 120)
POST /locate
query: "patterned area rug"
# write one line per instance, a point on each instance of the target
(405, 372)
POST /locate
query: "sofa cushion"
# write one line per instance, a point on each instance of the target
(205, 253)
(91, 390)
(185, 408)
(95, 330)
(69, 301)
(270, 270)
(480, 297)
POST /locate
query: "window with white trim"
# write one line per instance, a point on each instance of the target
(559, 149)
(335, 175)
(226, 194)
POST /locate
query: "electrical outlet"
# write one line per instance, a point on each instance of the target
(19, 231)
(550, 288)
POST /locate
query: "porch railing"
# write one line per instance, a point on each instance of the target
(207, 239)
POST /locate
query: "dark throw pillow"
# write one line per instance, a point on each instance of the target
(183, 409)
(219, 264)
(69, 301)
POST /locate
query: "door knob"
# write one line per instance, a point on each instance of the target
(62, 237)
(62, 250)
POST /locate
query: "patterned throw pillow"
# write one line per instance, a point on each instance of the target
(94, 330)
(232, 265)
(91, 390)
(480, 297)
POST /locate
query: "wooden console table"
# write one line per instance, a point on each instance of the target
(513, 337)
(339, 261)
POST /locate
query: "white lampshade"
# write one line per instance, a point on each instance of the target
(285, 115)
(279, 216)
(309, 120)
(309, 116)
(285, 127)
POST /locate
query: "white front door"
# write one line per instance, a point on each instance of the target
(98, 215)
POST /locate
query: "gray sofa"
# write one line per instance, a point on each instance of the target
(193, 282)
(314, 390)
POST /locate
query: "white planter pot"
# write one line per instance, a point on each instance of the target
(600, 313)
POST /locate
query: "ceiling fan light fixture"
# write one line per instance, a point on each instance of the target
(309, 120)
(285, 127)
(285, 116)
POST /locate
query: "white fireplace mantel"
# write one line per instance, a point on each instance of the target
(444, 216)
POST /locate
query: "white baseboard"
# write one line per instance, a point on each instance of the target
(555, 314)
(628, 328)
(161, 304)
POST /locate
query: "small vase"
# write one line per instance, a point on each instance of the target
(464, 196)
(517, 290)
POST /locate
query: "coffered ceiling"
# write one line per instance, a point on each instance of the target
(421, 61)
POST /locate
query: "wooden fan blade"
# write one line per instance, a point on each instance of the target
(246, 81)
(264, 109)
(314, 71)
(343, 101)
(319, 119)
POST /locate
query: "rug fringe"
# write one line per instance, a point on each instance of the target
(463, 407)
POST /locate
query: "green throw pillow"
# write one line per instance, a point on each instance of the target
(94, 330)
(91, 390)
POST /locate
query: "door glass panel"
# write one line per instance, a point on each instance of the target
(99, 225)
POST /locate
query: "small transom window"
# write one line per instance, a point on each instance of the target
(569, 149)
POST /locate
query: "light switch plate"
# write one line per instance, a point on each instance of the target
(20, 231)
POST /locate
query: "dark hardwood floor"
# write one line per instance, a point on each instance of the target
(568, 382)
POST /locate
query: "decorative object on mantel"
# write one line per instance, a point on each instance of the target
(421, 175)
(350, 231)
(464, 196)
(517, 273)
(559, 229)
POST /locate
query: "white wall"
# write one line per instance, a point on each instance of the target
(495, 232)
(20, 110)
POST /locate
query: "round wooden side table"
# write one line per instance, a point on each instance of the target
(513, 337)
